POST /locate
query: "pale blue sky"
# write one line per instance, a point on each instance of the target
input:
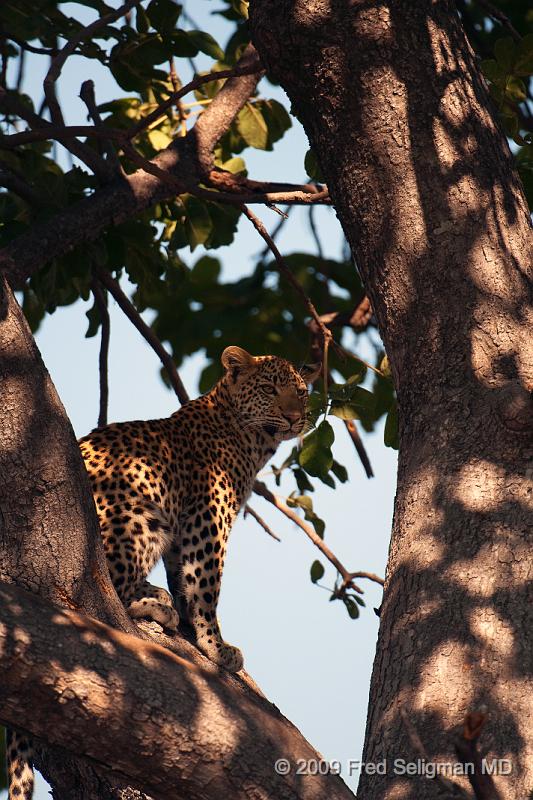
(305, 653)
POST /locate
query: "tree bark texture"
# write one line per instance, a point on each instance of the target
(102, 706)
(50, 540)
(174, 728)
(423, 183)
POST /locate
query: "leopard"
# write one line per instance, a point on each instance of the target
(172, 488)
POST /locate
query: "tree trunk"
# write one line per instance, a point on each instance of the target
(423, 183)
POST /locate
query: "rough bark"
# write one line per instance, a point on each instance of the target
(172, 727)
(50, 540)
(103, 706)
(423, 183)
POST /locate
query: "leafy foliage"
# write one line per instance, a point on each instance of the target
(167, 252)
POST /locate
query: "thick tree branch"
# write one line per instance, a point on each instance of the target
(173, 727)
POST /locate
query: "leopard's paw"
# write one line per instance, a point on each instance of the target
(225, 655)
(149, 608)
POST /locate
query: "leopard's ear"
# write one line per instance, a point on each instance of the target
(236, 360)
(310, 372)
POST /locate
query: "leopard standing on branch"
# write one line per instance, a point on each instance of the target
(172, 488)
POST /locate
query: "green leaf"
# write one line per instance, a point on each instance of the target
(390, 436)
(206, 271)
(317, 571)
(361, 405)
(384, 367)
(312, 167)
(198, 224)
(504, 50)
(302, 481)
(235, 165)
(345, 391)
(492, 70)
(340, 472)
(205, 42)
(93, 315)
(182, 44)
(277, 119)
(252, 126)
(352, 608)
(523, 64)
(142, 23)
(315, 456)
(163, 14)
(304, 502)
(515, 88)
(158, 139)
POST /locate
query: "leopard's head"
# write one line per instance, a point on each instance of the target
(268, 392)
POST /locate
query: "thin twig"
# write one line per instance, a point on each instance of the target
(12, 104)
(326, 334)
(359, 446)
(14, 183)
(314, 231)
(266, 250)
(347, 577)
(146, 332)
(249, 510)
(88, 97)
(41, 51)
(103, 357)
(498, 15)
(60, 132)
(199, 80)
(58, 61)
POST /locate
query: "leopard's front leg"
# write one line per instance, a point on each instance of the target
(194, 567)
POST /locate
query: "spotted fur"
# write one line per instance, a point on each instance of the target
(172, 488)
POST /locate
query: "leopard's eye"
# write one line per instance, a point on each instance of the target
(267, 388)
(301, 392)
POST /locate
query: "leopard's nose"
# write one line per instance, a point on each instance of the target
(292, 416)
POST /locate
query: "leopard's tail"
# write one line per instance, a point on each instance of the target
(20, 776)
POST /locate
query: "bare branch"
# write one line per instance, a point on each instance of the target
(359, 446)
(14, 183)
(88, 97)
(347, 577)
(285, 271)
(146, 332)
(498, 14)
(249, 510)
(58, 61)
(11, 104)
(41, 51)
(103, 358)
(59, 133)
